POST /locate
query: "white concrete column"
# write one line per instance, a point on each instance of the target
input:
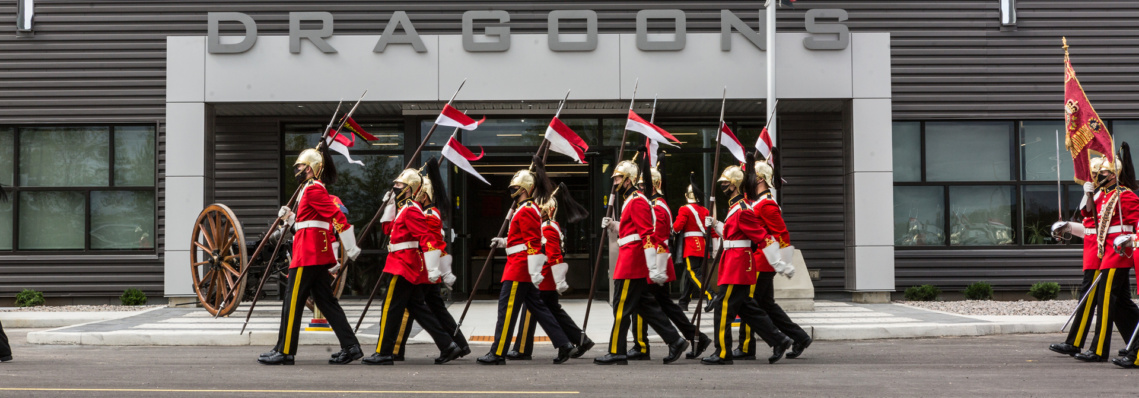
(185, 181)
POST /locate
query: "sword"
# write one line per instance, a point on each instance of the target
(1081, 304)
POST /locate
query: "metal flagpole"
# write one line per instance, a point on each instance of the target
(1081, 303)
(1059, 203)
(710, 202)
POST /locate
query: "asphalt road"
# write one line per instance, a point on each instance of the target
(1017, 365)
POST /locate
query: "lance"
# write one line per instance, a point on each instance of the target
(710, 203)
(276, 248)
(380, 211)
(1081, 304)
(544, 149)
(608, 213)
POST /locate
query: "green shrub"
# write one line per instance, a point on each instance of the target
(922, 293)
(29, 298)
(133, 297)
(979, 291)
(1044, 290)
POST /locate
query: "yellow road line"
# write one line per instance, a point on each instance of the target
(149, 390)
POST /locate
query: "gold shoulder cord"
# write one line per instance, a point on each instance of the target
(1105, 221)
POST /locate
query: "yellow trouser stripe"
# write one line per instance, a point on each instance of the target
(504, 335)
(384, 314)
(525, 333)
(688, 263)
(1105, 326)
(1083, 330)
(746, 344)
(620, 318)
(725, 324)
(292, 312)
(402, 329)
(642, 335)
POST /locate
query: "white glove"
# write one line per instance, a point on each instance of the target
(432, 260)
(662, 266)
(497, 243)
(1122, 242)
(389, 213)
(560, 270)
(286, 215)
(715, 245)
(787, 262)
(348, 239)
(605, 221)
(387, 196)
(445, 270)
(719, 227)
(771, 253)
(332, 271)
(1060, 228)
(1089, 187)
(656, 274)
(534, 263)
(708, 221)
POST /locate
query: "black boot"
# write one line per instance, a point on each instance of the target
(1126, 362)
(634, 355)
(1122, 352)
(6, 358)
(611, 359)
(715, 360)
(564, 353)
(778, 351)
(274, 352)
(347, 355)
(798, 348)
(1066, 349)
(397, 357)
(739, 354)
(277, 359)
(1090, 356)
(583, 348)
(702, 343)
(453, 351)
(466, 351)
(491, 359)
(675, 350)
(518, 356)
(708, 307)
(683, 305)
(377, 359)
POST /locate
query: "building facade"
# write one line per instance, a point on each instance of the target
(123, 120)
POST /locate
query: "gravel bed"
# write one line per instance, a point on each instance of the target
(988, 307)
(81, 308)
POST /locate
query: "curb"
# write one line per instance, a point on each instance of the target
(58, 319)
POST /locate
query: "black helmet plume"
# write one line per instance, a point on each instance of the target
(543, 187)
(646, 174)
(329, 175)
(1127, 175)
(751, 180)
(660, 169)
(574, 211)
(776, 175)
(696, 191)
(438, 192)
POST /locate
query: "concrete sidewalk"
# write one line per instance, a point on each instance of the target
(831, 320)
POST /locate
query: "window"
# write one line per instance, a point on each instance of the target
(980, 183)
(78, 188)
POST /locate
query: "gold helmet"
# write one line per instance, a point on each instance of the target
(765, 173)
(311, 158)
(690, 195)
(427, 192)
(1099, 164)
(412, 179)
(627, 169)
(732, 175)
(523, 179)
(656, 179)
(550, 208)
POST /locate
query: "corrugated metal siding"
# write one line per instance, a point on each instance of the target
(1006, 269)
(813, 199)
(247, 170)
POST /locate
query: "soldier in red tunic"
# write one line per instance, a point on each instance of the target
(433, 296)
(763, 291)
(636, 263)
(523, 272)
(742, 229)
(663, 217)
(413, 250)
(553, 278)
(690, 223)
(1086, 230)
(312, 259)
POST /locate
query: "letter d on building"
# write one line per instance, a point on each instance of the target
(213, 42)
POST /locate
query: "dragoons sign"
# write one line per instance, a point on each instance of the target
(496, 38)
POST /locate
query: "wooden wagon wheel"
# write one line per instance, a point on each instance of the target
(217, 258)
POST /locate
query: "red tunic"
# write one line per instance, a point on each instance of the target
(1091, 259)
(313, 246)
(742, 223)
(410, 225)
(552, 236)
(636, 218)
(661, 232)
(772, 217)
(690, 221)
(525, 229)
(1129, 206)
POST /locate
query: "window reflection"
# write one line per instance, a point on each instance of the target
(907, 151)
(118, 222)
(981, 216)
(134, 156)
(1040, 211)
(919, 216)
(52, 220)
(968, 151)
(7, 155)
(64, 156)
(1039, 149)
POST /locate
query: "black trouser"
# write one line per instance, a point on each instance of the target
(312, 280)
(404, 296)
(510, 300)
(690, 283)
(5, 348)
(630, 298)
(736, 300)
(764, 294)
(670, 309)
(1082, 320)
(524, 344)
(433, 297)
(1114, 297)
